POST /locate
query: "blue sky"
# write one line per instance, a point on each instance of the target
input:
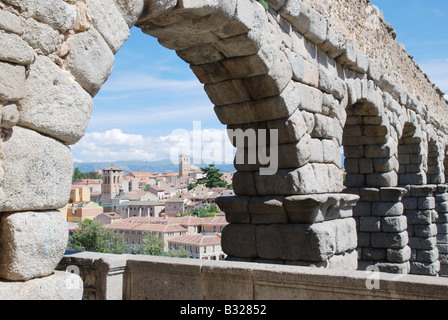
(152, 98)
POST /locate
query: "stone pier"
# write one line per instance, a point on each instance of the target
(300, 81)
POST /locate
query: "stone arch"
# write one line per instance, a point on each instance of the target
(436, 170)
(417, 166)
(412, 156)
(371, 163)
(286, 70)
(371, 157)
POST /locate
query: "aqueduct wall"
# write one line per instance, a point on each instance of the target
(307, 69)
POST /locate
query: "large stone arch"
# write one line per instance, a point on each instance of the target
(286, 71)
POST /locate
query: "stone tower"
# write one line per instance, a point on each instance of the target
(112, 178)
(184, 165)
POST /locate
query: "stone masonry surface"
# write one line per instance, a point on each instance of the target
(323, 74)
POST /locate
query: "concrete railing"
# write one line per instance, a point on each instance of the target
(130, 277)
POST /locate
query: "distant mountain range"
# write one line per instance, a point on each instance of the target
(144, 166)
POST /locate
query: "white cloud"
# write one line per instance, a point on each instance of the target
(131, 81)
(114, 145)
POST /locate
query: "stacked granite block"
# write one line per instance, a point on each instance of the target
(305, 230)
(441, 197)
(381, 226)
(419, 204)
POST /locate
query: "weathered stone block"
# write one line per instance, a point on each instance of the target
(419, 216)
(326, 128)
(310, 98)
(441, 206)
(239, 240)
(412, 178)
(259, 63)
(211, 72)
(318, 208)
(274, 82)
(291, 129)
(59, 286)
(39, 172)
(422, 243)
(370, 224)
(90, 60)
(373, 254)
(422, 230)
(386, 164)
(244, 183)
(331, 83)
(56, 13)
(389, 240)
(272, 108)
(297, 13)
(131, 10)
(227, 92)
(54, 103)
(9, 116)
(392, 194)
(364, 239)
(370, 194)
(287, 181)
(422, 190)
(33, 243)
(12, 81)
(41, 36)
(394, 224)
(423, 268)
(427, 255)
(399, 255)
(10, 22)
(235, 208)
(387, 209)
(362, 209)
(109, 22)
(14, 49)
(296, 242)
(385, 179)
(354, 152)
(267, 210)
(382, 151)
(442, 227)
(201, 54)
(387, 267)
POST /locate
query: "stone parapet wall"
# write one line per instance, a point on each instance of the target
(289, 70)
(365, 25)
(117, 277)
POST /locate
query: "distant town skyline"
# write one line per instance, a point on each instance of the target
(152, 94)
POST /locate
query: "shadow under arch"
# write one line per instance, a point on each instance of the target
(370, 153)
(412, 158)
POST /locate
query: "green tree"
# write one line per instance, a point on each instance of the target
(264, 3)
(152, 245)
(92, 236)
(192, 186)
(208, 211)
(78, 175)
(212, 177)
(179, 253)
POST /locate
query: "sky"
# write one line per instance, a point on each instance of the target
(152, 104)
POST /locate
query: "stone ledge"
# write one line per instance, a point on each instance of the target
(252, 281)
(59, 286)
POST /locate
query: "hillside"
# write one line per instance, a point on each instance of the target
(146, 166)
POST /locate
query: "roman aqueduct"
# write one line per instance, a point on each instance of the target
(325, 74)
